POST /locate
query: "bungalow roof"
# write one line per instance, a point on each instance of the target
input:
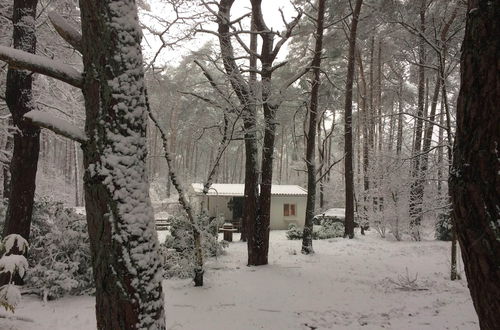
(237, 189)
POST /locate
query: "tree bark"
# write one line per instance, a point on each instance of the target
(474, 179)
(123, 241)
(307, 246)
(348, 170)
(26, 140)
(416, 190)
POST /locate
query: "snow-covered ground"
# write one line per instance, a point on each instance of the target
(347, 284)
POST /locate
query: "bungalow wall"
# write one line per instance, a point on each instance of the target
(279, 220)
(218, 206)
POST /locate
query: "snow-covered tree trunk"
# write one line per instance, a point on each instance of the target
(19, 98)
(245, 96)
(307, 245)
(417, 186)
(349, 172)
(124, 244)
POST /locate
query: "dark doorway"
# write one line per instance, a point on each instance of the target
(236, 205)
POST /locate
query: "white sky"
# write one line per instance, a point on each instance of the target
(151, 44)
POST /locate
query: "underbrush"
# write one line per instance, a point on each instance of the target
(327, 229)
(178, 249)
(59, 254)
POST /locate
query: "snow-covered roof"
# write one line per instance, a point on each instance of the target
(237, 189)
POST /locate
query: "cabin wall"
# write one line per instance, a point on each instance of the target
(278, 220)
(217, 206)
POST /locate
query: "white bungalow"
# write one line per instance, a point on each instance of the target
(288, 203)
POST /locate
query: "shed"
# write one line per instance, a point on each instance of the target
(288, 203)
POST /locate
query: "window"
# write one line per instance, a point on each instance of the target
(289, 210)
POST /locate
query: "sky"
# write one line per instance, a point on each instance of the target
(172, 56)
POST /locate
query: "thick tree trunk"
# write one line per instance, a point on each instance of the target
(26, 140)
(258, 239)
(307, 246)
(348, 170)
(124, 245)
(251, 152)
(475, 176)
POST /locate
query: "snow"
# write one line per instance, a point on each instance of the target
(347, 284)
(56, 124)
(11, 295)
(14, 239)
(20, 59)
(334, 212)
(236, 189)
(13, 263)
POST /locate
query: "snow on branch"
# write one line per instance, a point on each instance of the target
(25, 61)
(57, 125)
(71, 35)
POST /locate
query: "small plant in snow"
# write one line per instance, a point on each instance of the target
(11, 265)
(407, 282)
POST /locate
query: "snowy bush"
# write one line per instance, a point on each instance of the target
(178, 249)
(328, 229)
(59, 257)
(60, 252)
(12, 265)
(293, 232)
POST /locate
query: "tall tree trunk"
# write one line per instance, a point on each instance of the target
(348, 171)
(416, 190)
(475, 177)
(399, 138)
(76, 174)
(429, 132)
(367, 136)
(123, 241)
(379, 97)
(307, 246)
(258, 238)
(19, 99)
(245, 95)
(6, 167)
